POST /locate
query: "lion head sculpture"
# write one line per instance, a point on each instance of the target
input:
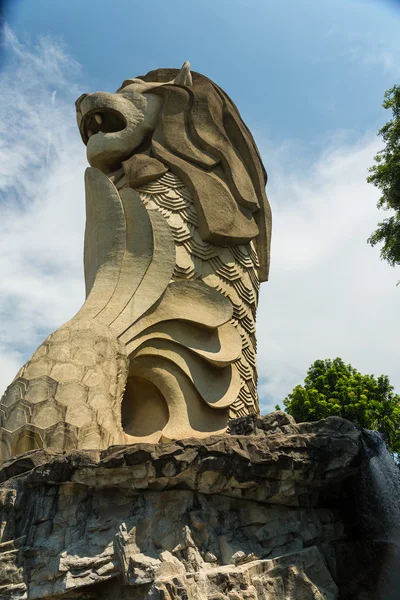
(188, 123)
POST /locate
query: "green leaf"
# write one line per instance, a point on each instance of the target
(385, 175)
(333, 388)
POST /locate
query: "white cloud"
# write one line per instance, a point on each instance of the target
(329, 295)
(42, 160)
(379, 57)
(374, 47)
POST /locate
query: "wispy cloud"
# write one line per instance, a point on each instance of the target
(367, 48)
(329, 294)
(378, 56)
(41, 198)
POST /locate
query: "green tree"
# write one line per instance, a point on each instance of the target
(385, 175)
(333, 388)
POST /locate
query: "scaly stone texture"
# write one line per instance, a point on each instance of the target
(177, 241)
(255, 515)
(232, 270)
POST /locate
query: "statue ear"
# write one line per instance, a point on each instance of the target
(184, 76)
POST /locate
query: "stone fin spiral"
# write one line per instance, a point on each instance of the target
(231, 270)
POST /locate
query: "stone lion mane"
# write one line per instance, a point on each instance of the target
(203, 140)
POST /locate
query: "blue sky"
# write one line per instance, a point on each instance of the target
(296, 69)
(308, 78)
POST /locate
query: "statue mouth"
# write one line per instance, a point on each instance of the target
(105, 120)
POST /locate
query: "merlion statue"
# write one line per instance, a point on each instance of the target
(176, 244)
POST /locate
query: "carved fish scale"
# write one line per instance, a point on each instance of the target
(232, 270)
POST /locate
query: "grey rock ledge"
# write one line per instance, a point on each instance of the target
(241, 516)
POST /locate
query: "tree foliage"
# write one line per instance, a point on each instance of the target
(333, 388)
(385, 175)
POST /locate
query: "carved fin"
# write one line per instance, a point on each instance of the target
(102, 259)
(137, 257)
(157, 276)
(187, 300)
(219, 387)
(220, 346)
(189, 416)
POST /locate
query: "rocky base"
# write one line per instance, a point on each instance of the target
(257, 514)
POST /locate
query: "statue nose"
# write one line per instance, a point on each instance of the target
(78, 102)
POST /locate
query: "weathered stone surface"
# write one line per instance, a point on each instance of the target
(300, 577)
(240, 517)
(272, 467)
(177, 241)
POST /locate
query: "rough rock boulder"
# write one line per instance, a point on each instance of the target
(254, 515)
